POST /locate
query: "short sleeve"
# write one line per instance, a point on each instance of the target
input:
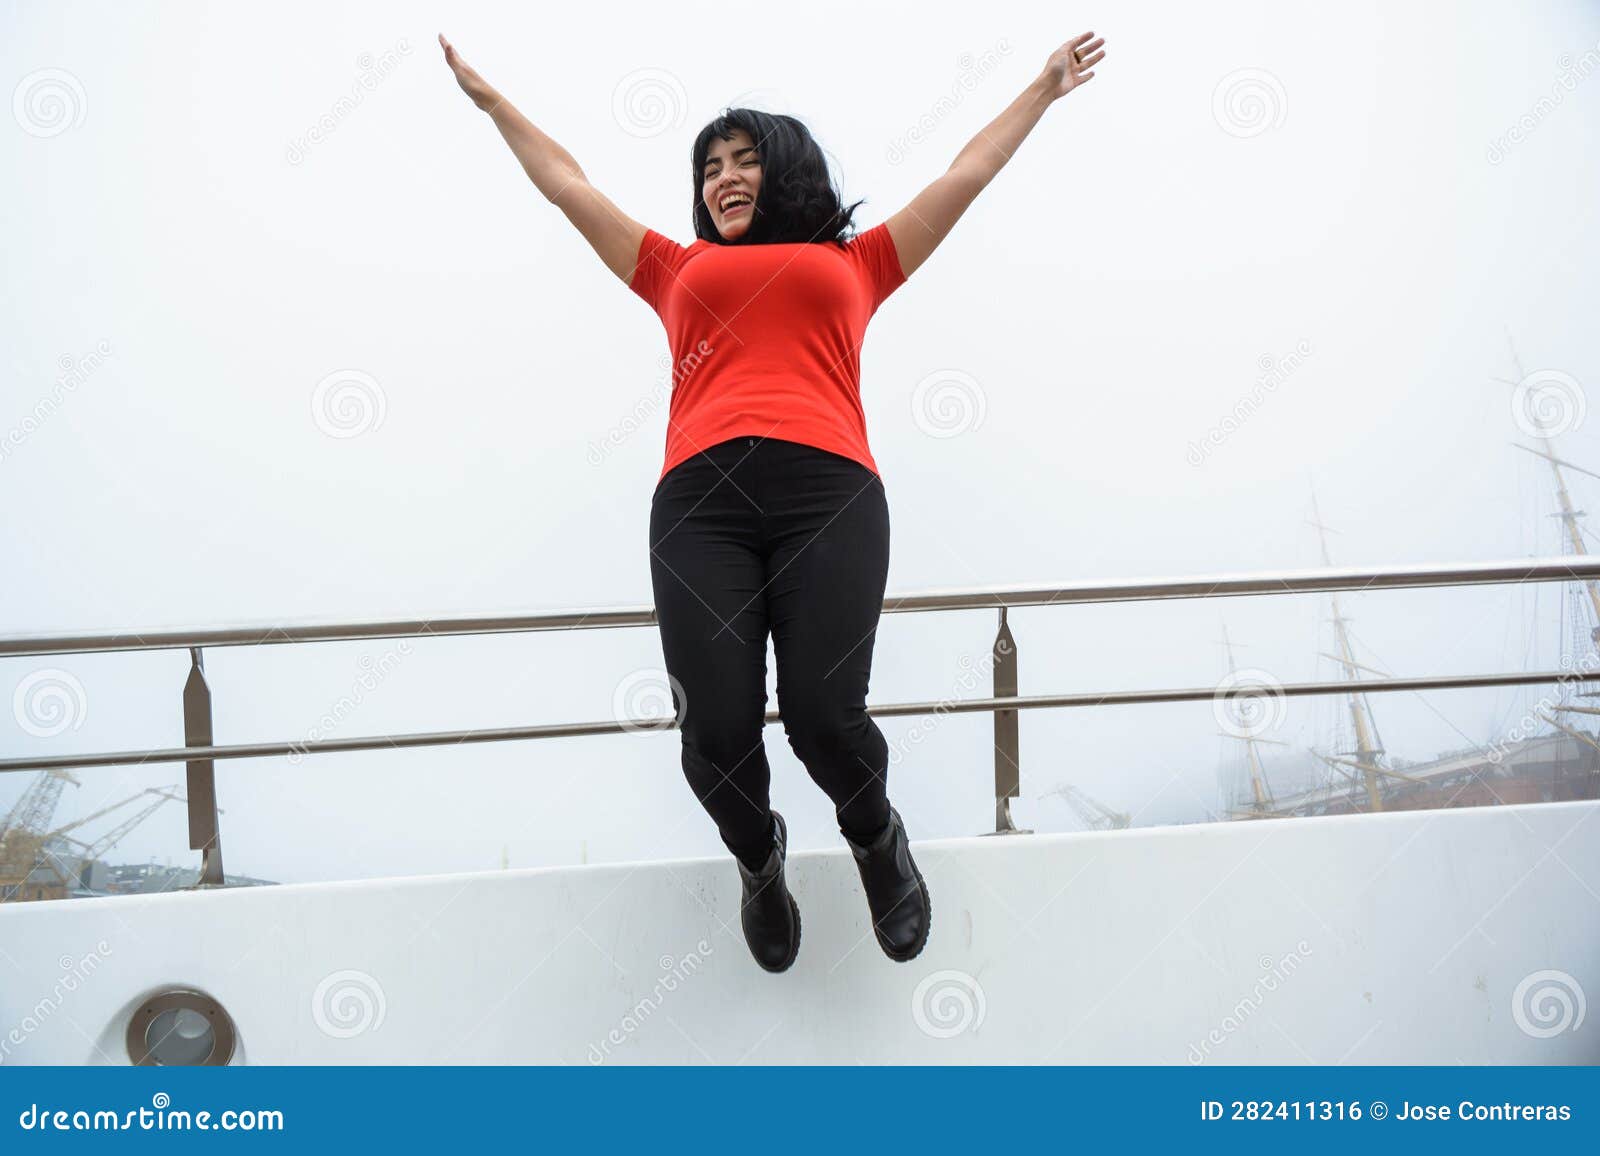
(878, 262)
(657, 264)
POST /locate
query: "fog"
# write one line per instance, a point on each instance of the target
(288, 335)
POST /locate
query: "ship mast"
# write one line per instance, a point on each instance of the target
(1573, 533)
(1366, 730)
(1262, 802)
(1568, 515)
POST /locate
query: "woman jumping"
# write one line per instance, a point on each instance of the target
(769, 515)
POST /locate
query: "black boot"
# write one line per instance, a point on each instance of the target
(769, 914)
(897, 897)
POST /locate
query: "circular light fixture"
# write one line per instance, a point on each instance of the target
(181, 1028)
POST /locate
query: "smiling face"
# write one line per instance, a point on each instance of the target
(730, 182)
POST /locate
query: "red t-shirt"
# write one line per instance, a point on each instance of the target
(766, 339)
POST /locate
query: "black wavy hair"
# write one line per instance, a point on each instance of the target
(797, 200)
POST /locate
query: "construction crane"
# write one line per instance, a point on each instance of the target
(31, 814)
(89, 852)
(26, 851)
(26, 827)
(1094, 814)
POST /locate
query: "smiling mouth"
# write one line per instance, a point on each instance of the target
(740, 202)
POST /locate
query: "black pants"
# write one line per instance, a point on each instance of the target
(755, 535)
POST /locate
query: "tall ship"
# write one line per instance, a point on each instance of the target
(1551, 753)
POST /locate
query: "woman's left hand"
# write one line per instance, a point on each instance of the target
(1070, 65)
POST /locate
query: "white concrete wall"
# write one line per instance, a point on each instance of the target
(1399, 938)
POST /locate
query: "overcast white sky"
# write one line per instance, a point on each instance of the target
(1241, 181)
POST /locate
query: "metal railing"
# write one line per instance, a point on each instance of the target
(200, 750)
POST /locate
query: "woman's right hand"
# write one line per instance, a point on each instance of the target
(471, 83)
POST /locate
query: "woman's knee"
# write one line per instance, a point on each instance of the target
(722, 740)
(830, 734)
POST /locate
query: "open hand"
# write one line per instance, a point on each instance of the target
(471, 83)
(1071, 64)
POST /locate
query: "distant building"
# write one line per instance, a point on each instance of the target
(59, 876)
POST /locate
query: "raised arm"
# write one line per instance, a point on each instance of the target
(614, 235)
(918, 228)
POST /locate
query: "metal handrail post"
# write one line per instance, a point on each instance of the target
(204, 833)
(1007, 752)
